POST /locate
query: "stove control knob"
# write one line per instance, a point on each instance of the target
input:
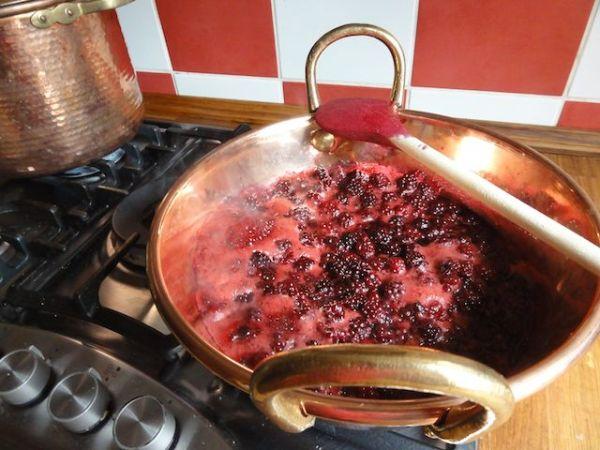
(79, 401)
(24, 374)
(144, 424)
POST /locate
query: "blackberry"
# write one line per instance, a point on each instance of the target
(303, 264)
(246, 297)
(244, 332)
(379, 180)
(391, 290)
(354, 183)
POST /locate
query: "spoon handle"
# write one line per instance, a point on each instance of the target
(539, 225)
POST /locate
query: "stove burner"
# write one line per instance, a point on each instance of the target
(9, 257)
(4, 248)
(134, 215)
(30, 220)
(115, 156)
(87, 174)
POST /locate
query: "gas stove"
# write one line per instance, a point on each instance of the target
(87, 362)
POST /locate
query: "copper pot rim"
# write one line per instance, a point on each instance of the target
(523, 384)
(15, 7)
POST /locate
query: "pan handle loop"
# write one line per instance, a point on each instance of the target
(276, 385)
(356, 29)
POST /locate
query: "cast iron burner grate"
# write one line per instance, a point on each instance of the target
(134, 216)
(49, 225)
(54, 232)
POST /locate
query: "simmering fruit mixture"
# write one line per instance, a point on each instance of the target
(359, 253)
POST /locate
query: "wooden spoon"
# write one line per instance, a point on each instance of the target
(377, 121)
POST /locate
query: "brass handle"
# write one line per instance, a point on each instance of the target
(355, 29)
(276, 382)
(67, 13)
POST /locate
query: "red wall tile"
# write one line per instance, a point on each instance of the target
(158, 83)
(525, 46)
(580, 115)
(116, 42)
(220, 36)
(294, 93)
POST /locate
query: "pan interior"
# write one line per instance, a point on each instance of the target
(265, 155)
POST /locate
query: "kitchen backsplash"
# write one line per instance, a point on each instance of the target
(533, 61)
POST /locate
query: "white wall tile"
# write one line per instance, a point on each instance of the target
(586, 82)
(518, 108)
(230, 87)
(143, 36)
(354, 60)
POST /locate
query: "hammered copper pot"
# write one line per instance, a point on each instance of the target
(68, 92)
(470, 399)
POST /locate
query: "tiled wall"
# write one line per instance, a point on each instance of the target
(526, 61)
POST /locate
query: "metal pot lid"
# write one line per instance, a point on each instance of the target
(14, 7)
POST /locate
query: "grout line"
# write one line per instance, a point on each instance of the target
(582, 44)
(500, 93)
(342, 83)
(163, 41)
(142, 69)
(558, 113)
(225, 75)
(582, 99)
(408, 73)
(492, 93)
(276, 38)
(277, 50)
(407, 95)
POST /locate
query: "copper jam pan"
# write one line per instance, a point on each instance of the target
(472, 398)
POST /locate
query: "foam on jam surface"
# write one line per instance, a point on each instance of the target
(360, 253)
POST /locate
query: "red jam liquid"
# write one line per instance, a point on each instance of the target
(359, 253)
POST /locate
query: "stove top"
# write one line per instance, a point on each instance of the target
(87, 359)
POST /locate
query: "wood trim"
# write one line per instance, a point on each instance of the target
(232, 112)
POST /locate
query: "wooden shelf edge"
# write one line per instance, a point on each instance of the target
(232, 112)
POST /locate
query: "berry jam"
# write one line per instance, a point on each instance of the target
(360, 253)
